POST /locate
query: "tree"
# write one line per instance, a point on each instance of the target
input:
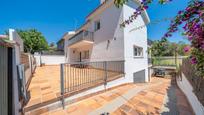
(158, 48)
(165, 48)
(33, 40)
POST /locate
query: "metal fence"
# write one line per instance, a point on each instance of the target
(76, 77)
(167, 61)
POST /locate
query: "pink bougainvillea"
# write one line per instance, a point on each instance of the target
(192, 18)
(187, 49)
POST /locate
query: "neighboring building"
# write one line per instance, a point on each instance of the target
(61, 42)
(102, 39)
(60, 45)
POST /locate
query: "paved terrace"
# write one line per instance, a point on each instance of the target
(161, 96)
(45, 85)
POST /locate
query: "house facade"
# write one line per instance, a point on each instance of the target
(102, 38)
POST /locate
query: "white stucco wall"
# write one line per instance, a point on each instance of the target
(50, 59)
(112, 42)
(187, 89)
(136, 37)
(13, 36)
(19, 47)
(110, 31)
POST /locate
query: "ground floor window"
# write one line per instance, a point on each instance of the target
(85, 54)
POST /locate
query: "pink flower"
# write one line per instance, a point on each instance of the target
(180, 12)
(193, 60)
(187, 49)
(190, 38)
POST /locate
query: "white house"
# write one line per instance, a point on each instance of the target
(102, 39)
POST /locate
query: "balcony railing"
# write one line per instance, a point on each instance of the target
(82, 35)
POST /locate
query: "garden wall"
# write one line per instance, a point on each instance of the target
(49, 59)
(29, 63)
(192, 85)
(187, 89)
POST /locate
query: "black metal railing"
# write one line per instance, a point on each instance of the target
(82, 35)
(79, 76)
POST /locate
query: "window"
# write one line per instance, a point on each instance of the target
(138, 51)
(97, 25)
(86, 54)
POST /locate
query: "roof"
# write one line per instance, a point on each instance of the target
(105, 2)
(104, 5)
(108, 3)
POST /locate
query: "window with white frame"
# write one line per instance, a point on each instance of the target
(97, 25)
(138, 51)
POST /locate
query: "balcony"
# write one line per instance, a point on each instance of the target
(81, 39)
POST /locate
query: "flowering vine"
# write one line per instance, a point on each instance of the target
(192, 18)
(138, 11)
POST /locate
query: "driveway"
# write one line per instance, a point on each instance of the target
(161, 96)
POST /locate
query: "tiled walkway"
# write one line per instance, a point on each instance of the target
(153, 101)
(131, 99)
(45, 85)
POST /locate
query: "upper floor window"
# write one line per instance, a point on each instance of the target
(97, 25)
(138, 51)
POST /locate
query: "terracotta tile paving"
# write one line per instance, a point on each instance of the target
(148, 101)
(85, 106)
(45, 84)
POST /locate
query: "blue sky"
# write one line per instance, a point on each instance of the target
(55, 17)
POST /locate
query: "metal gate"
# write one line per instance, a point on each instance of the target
(5, 80)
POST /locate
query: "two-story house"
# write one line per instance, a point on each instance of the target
(102, 38)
